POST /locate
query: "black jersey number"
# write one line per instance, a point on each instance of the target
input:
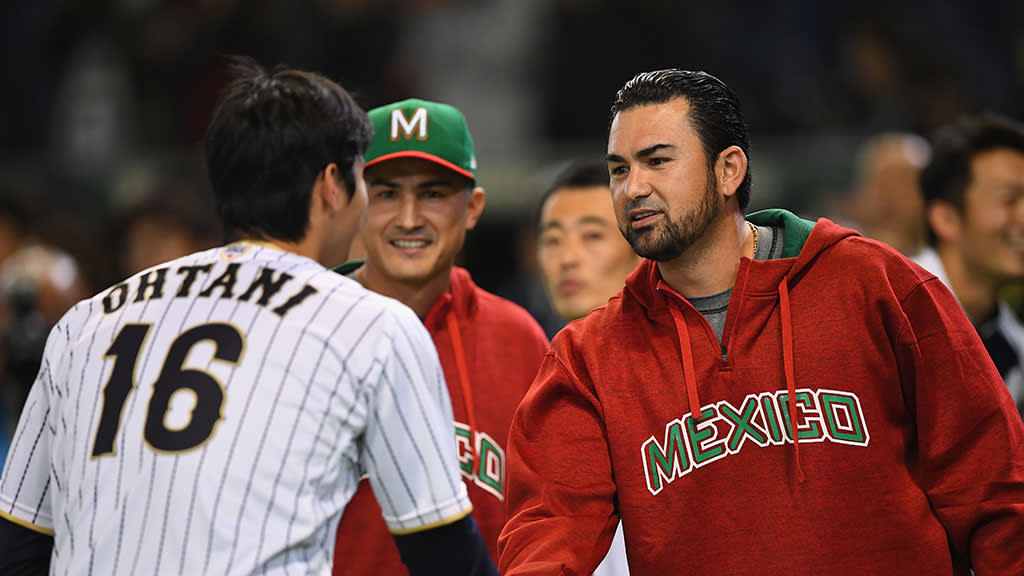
(209, 395)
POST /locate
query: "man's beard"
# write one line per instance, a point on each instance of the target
(673, 238)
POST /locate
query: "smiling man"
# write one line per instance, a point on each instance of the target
(422, 199)
(974, 194)
(766, 395)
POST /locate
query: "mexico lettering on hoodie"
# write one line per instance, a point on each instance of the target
(907, 456)
(722, 429)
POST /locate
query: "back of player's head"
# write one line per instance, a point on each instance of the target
(271, 135)
(580, 173)
(947, 176)
(715, 112)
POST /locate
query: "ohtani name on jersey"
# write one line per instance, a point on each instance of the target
(723, 429)
(269, 284)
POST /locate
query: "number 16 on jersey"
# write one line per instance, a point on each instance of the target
(228, 345)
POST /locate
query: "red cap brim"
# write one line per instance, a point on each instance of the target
(424, 156)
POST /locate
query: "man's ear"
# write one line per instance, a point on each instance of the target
(944, 219)
(330, 188)
(730, 169)
(475, 207)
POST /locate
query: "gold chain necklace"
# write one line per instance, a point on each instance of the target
(753, 230)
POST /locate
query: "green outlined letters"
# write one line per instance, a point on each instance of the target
(761, 420)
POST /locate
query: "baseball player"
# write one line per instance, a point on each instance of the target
(212, 415)
(423, 197)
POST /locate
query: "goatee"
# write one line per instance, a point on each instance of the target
(669, 239)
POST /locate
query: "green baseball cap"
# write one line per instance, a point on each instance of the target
(421, 129)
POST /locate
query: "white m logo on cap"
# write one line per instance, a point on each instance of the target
(402, 127)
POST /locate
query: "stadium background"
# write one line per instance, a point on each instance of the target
(105, 101)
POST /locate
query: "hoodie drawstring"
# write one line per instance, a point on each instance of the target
(467, 391)
(685, 350)
(690, 376)
(787, 365)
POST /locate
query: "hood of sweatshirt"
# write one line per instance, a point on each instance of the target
(460, 300)
(804, 241)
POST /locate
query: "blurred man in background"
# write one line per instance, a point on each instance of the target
(170, 221)
(582, 254)
(886, 203)
(422, 199)
(974, 202)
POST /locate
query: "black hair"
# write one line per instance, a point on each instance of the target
(948, 174)
(580, 173)
(715, 112)
(270, 137)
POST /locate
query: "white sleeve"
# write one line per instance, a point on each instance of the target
(614, 563)
(409, 448)
(25, 486)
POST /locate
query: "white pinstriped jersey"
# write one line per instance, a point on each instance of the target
(212, 416)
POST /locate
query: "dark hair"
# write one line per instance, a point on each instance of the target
(948, 174)
(715, 113)
(580, 173)
(271, 135)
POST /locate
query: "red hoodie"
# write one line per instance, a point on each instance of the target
(490, 349)
(909, 456)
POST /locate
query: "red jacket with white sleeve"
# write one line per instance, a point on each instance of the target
(490, 349)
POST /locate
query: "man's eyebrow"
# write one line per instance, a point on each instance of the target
(593, 220)
(641, 154)
(437, 182)
(652, 149)
(584, 221)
